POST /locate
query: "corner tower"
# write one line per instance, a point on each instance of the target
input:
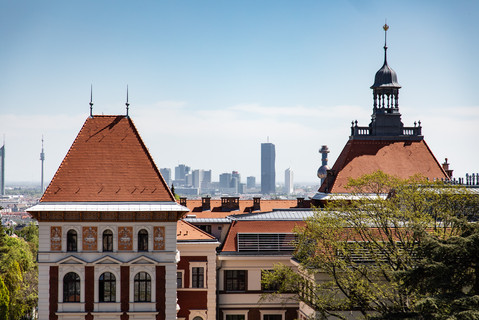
(386, 144)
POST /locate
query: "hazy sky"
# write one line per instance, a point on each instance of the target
(209, 81)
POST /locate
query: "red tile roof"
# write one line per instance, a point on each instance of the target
(245, 206)
(187, 231)
(256, 226)
(108, 161)
(399, 158)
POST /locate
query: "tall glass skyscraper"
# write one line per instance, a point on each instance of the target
(268, 171)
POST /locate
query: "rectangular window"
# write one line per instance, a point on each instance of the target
(272, 317)
(235, 280)
(205, 228)
(179, 279)
(197, 277)
(235, 317)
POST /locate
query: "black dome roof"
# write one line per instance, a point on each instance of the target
(386, 77)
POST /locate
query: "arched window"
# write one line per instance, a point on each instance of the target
(142, 287)
(71, 287)
(107, 287)
(107, 240)
(142, 240)
(71, 241)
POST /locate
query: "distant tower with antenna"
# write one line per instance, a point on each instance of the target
(2, 169)
(42, 159)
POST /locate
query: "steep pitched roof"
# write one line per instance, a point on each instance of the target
(108, 161)
(399, 158)
(186, 232)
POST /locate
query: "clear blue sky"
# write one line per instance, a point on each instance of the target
(210, 80)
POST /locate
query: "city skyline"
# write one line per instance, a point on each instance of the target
(210, 81)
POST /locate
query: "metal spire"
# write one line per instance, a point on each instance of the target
(91, 101)
(127, 104)
(385, 27)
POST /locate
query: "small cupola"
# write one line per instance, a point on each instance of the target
(386, 86)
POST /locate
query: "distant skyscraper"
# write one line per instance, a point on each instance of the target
(2, 170)
(42, 159)
(206, 182)
(225, 180)
(166, 173)
(268, 171)
(196, 178)
(251, 182)
(288, 181)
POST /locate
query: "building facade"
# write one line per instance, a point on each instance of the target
(107, 230)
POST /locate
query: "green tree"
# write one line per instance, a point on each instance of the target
(4, 301)
(446, 276)
(18, 269)
(351, 254)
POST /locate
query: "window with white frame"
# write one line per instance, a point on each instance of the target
(179, 279)
(272, 314)
(197, 274)
(142, 287)
(235, 315)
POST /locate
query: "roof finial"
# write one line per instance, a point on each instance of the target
(127, 104)
(385, 27)
(91, 100)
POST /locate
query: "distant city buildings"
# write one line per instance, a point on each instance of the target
(166, 173)
(250, 182)
(288, 181)
(268, 171)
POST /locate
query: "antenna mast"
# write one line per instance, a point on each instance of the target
(127, 104)
(91, 101)
(42, 159)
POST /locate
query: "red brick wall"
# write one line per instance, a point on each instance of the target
(184, 265)
(125, 291)
(89, 289)
(191, 300)
(160, 292)
(53, 292)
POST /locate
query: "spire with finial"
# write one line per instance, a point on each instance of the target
(91, 101)
(385, 27)
(127, 104)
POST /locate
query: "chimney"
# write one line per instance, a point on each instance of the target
(183, 201)
(256, 203)
(445, 166)
(229, 204)
(205, 203)
(300, 202)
